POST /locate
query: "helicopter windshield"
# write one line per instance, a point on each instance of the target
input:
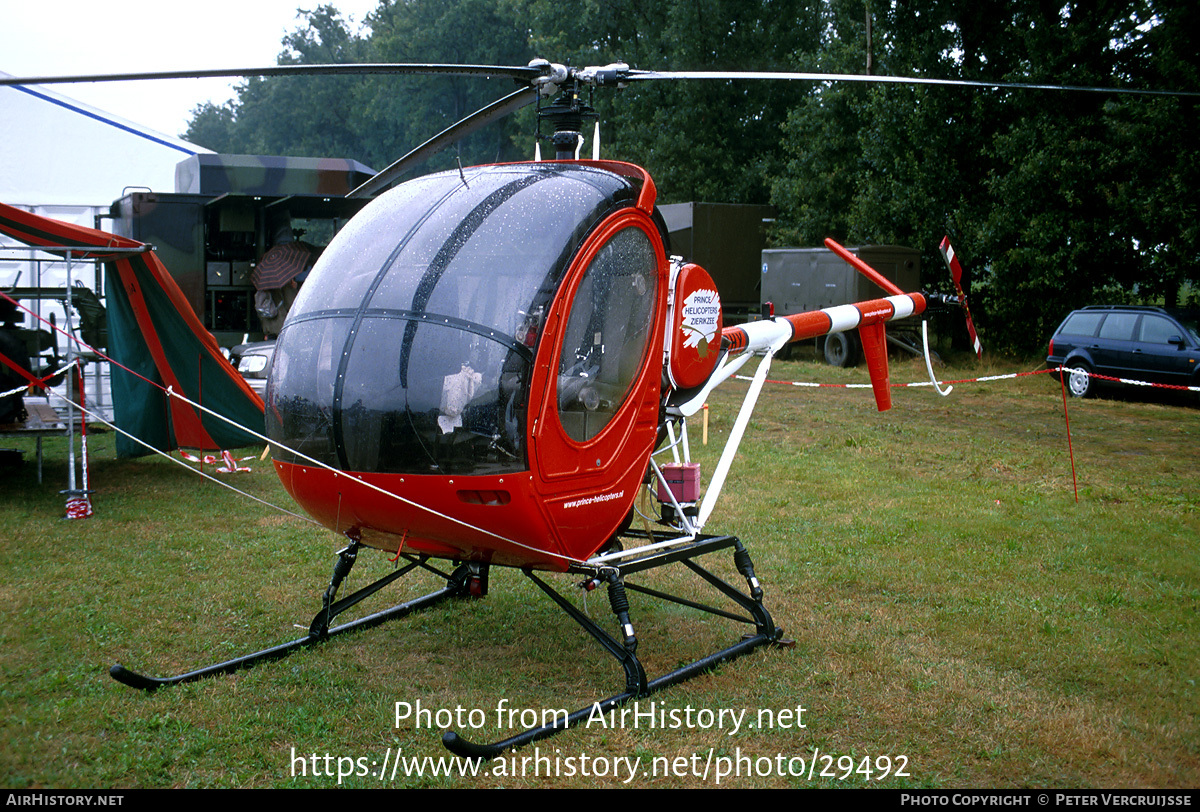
(410, 348)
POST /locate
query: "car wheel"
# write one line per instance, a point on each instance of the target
(840, 350)
(1079, 380)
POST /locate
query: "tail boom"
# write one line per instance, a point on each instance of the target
(757, 336)
(867, 317)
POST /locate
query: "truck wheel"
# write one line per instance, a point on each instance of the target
(841, 350)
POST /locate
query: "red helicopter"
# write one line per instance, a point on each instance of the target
(490, 365)
(500, 369)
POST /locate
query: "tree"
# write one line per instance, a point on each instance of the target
(1054, 199)
(301, 116)
(212, 126)
(1078, 176)
(1159, 151)
(701, 140)
(398, 113)
(1058, 198)
(711, 140)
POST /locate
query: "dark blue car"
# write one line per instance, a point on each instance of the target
(1149, 344)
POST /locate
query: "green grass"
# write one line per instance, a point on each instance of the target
(949, 599)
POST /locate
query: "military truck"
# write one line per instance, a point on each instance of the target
(210, 232)
(726, 239)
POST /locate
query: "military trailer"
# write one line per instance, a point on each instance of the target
(798, 279)
(211, 231)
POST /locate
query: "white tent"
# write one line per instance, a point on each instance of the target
(55, 151)
(64, 159)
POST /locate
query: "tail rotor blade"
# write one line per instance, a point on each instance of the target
(955, 267)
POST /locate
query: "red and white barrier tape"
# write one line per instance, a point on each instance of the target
(79, 507)
(985, 379)
(231, 464)
(1063, 371)
(25, 388)
(1129, 381)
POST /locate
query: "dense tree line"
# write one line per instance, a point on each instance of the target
(1054, 199)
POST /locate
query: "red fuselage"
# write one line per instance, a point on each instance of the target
(474, 369)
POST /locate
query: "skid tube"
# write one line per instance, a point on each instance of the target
(467, 579)
(625, 650)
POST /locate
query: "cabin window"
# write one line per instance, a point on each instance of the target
(607, 333)
(410, 348)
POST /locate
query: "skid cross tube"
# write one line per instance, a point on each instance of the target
(636, 684)
(319, 630)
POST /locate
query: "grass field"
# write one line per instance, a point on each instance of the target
(954, 609)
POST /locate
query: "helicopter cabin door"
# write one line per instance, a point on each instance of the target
(599, 375)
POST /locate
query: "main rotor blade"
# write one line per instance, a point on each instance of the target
(480, 118)
(641, 75)
(529, 73)
(519, 73)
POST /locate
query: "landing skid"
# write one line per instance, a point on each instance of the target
(463, 581)
(471, 579)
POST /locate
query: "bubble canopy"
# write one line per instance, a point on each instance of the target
(410, 348)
